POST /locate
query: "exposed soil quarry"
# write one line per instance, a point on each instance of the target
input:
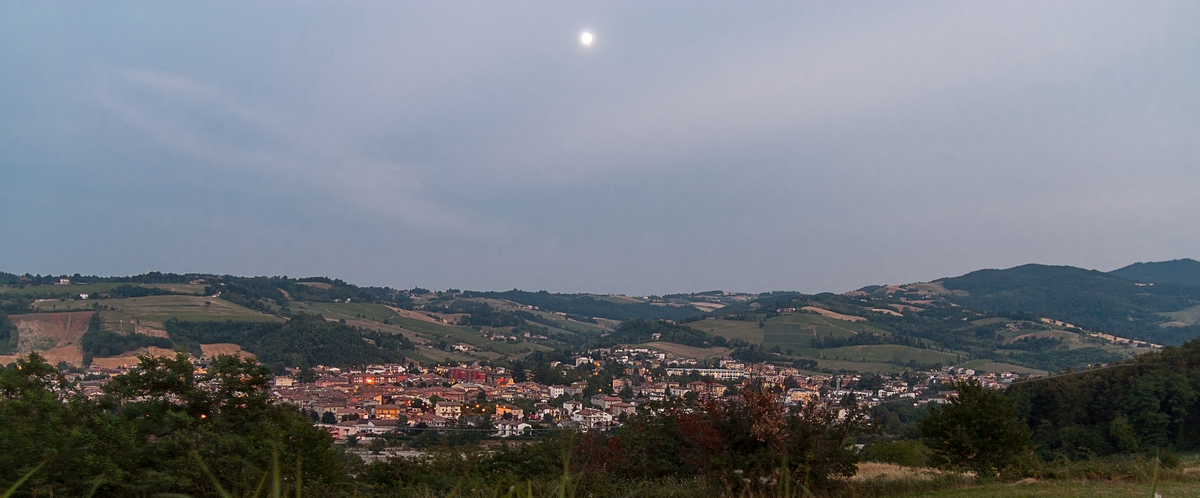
(55, 336)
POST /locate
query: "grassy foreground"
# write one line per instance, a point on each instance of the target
(1068, 488)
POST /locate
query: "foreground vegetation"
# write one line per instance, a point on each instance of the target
(167, 427)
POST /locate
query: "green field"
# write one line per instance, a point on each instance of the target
(567, 324)
(992, 366)
(1187, 315)
(796, 332)
(197, 289)
(97, 288)
(371, 316)
(859, 366)
(731, 329)
(821, 324)
(890, 353)
(58, 290)
(163, 308)
(370, 311)
(680, 350)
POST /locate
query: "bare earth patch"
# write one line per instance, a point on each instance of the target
(414, 315)
(131, 358)
(215, 350)
(55, 336)
(833, 314)
(706, 307)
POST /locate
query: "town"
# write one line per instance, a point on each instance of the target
(361, 404)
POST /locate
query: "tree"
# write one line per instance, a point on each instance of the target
(518, 371)
(978, 430)
(329, 418)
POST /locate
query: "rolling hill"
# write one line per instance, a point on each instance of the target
(1179, 271)
(1035, 317)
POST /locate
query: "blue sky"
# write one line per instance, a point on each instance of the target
(694, 146)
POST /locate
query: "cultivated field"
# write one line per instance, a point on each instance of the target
(197, 289)
(731, 329)
(835, 315)
(162, 308)
(992, 366)
(370, 311)
(58, 290)
(1186, 316)
(680, 350)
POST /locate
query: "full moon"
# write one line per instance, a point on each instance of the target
(586, 38)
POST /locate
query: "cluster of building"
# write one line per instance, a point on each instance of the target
(375, 400)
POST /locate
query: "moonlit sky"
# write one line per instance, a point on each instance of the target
(694, 146)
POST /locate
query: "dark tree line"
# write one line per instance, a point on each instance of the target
(589, 306)
(98, 342)
(639, 330)
(1146, 403)
(302, 341)
(160, 428)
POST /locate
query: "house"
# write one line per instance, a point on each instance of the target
(602, 401)
(556, 391)
(375, 427)
(543, 410)
(621, 408)
(505, 409)
(340, 431)
(388, 412)
(429, 419)
(707, 389)
(448, 409)
(572, 406)
(591, 418)
(506, 428)
(801, 395)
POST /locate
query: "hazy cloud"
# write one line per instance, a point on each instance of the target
(694, 146)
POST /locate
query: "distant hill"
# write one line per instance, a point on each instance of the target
(1179, 271)
(615, 308)
(1033, 316)
(1090, 299)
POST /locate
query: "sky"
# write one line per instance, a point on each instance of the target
(742, 146)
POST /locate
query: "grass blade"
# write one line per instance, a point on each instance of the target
(261, 482)
(13, 488)
(216, 484)
(299, 475)
(276, 481)
(95, 486)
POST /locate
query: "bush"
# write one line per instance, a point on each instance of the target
(977, 431)
(900, 452)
